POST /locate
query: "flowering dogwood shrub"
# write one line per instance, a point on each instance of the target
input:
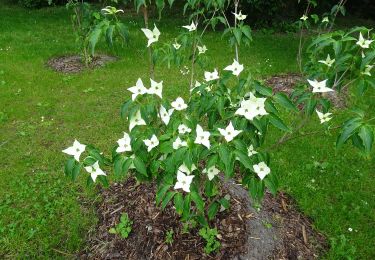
(184, 144)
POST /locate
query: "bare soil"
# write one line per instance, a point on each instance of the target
(74, 64)
(276, 231)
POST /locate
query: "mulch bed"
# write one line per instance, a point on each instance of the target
(243, 232)
(73, 63)
(286, 83)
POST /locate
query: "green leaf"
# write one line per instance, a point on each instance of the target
(94, 38)
(367, 135)
(247, 32)
(212, 210)
(266, 91)
(276, 121)
(348, 131)
(238, 35)
(140, 166)
(284, 101)
(161, 193)
(198, 200)
(167, 198)
(244, 159)
(69, 165)
(179, 203)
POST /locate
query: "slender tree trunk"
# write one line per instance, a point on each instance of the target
(150, 54)
(236, 2)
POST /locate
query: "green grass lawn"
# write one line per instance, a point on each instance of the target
(43, 214)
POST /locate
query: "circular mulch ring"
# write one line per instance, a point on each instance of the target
(277, 231)
(73, 63)
(286, 83)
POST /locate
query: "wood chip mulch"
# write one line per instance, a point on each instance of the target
(291, 235)
(73, 63)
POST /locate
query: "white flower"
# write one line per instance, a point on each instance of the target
(365, 44)
(367, 70)
(324, 117)
(152, 36)
(95, 170)
(138, 89)
(325, 20)
(176, 45)
(165, 115)
(136, 120)
(261, 169)
(183, 168)
(178, 143)
(211, 172)
(183, 129)
(304, 17)
(183, 181)
(229, 133)
(191, 27)
(124, 144)
(75, 150)
(328, 61)
(151, 143)
(251, 151)
(240, 16)
(319, 86)
(111, 10)
(350, 229)
(236, 68)
(211, 75)
(179, 104)
(202, 137)
(156, 88)
(252, 107)
(202, 49)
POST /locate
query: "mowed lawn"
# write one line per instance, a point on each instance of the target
(44, 214)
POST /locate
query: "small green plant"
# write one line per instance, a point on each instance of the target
(124, 227)
(210, 234)
(169, 237)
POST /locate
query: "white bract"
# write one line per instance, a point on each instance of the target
(136, 120)
(229, 132)
(138, 89)
(368, 68)
(124, 144)
(363, 43)
(183, 181)
(328, 61)
(75, 150)
(240, 16)
(183, 129)
(176, 45)
(152, 36)
(235, 67)
(252, 107)
(209, 76)
(191, 27)
(179, 104)
(202, 49)
(183, 168)
(261, 169)
(251, 151)
(111, 10)
(165, 115)
(203, 137)
(178, 143)
(319, 86)
(211, 172)
(151, 143)
(95, 171)
(325, 20)
(324, 117)
(156, 88)
(304, 18)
